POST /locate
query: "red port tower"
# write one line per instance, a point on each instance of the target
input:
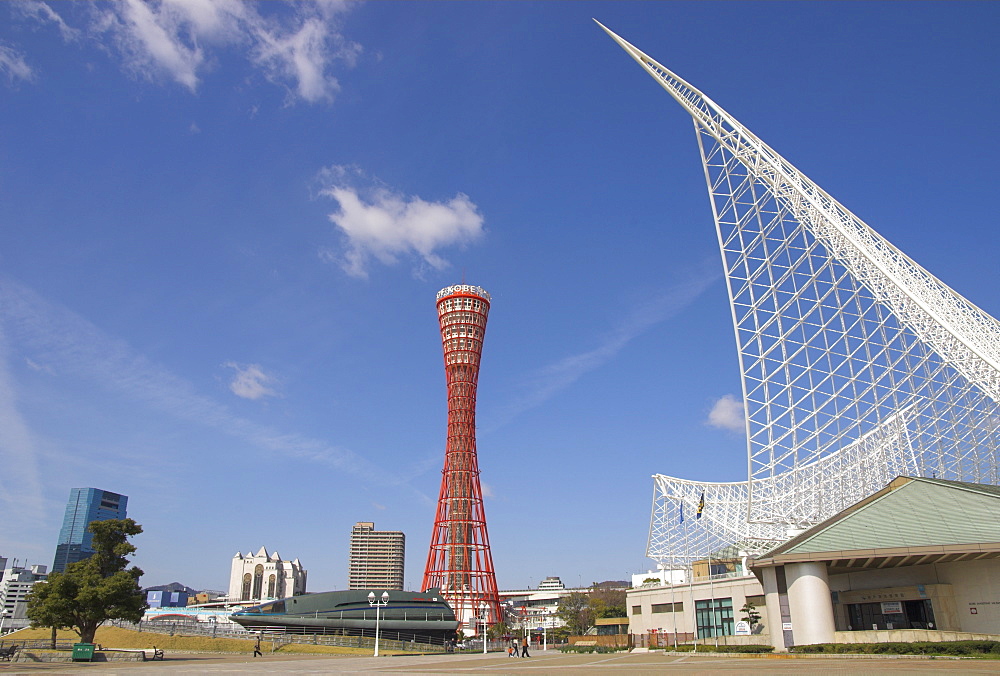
(459, 561)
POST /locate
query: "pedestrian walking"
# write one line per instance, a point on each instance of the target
(256, 649)
(524, 648)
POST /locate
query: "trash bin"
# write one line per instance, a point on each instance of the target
(83, 652)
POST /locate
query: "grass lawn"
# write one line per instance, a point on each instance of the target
(113, 637)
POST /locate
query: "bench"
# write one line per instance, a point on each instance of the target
(153, 653)
(8, 652)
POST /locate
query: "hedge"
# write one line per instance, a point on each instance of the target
(991, 648)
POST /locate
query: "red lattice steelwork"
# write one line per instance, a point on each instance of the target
(459, 561)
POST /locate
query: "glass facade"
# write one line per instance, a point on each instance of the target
(891, 615)
(714, 617)
(84, 505)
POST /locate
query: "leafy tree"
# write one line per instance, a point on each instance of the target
(651, 580)
(497, 631)
(750, 614)
(607, 601)
(576, 612)
(94, 590)
(558, 634)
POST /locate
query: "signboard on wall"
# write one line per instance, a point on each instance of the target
(742, 628)
(892, 607)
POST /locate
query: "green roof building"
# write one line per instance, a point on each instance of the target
(920, 556)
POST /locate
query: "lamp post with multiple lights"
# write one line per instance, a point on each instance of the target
(482, 614)
(377, 604)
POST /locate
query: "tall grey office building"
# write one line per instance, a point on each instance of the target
(85, 505)
(377, 558)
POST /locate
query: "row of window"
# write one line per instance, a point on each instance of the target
(459, 358)
(464, 304)
(462, 330)
(474, 318)
(463, 344)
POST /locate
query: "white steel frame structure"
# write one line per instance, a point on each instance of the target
(857, 364)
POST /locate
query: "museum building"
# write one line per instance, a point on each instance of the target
(917, 561)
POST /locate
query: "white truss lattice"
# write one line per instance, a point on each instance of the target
(857, 364)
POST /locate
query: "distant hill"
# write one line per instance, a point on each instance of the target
(172, 587)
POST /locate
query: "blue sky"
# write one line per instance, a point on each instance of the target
(223, 225)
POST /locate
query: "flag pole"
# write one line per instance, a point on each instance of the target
(694, 611)
(673, 592)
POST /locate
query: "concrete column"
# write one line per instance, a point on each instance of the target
(772, 609)
(809, 602)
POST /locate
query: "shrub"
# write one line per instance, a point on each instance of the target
(745, 648)
(917, 648)
(589, 649)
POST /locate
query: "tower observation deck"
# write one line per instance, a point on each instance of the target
(459, 561)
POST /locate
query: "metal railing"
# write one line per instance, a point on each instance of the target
(280, 636)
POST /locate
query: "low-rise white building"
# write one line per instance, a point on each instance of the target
(917, 561)
(15, 584)
(262, 577)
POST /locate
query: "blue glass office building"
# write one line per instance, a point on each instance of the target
(85, 505)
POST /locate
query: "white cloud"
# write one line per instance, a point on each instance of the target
(41, 12)
(250, 381)
(303, 56)
(74, 347)
(294, 46)
(388, 225)
(728, 414)
(561, 374)
(13, 65)
(41, 368)
(155, 36)
(20, 484)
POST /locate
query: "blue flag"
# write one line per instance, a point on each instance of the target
(682, 512)
(701, 505)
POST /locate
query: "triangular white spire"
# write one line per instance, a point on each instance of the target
(856, 362)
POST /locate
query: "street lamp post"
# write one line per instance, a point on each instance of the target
(482, 614)
(377, 604)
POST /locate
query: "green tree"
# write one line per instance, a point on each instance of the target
(94, 590)
(575, 611)
(607, 601)
(496, 631)
(750, 614)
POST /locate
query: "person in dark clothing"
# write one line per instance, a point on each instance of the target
(256, 649)
(524, 648)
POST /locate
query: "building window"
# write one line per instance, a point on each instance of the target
(246, 588)
(714, 617)
(258, 580)
(668, 607)
(637, 610)
(270, 586)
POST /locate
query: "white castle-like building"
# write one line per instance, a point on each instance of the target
(263, 576)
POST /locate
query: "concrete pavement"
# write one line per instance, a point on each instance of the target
(550, 662)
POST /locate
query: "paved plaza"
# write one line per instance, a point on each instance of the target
(634, 664)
